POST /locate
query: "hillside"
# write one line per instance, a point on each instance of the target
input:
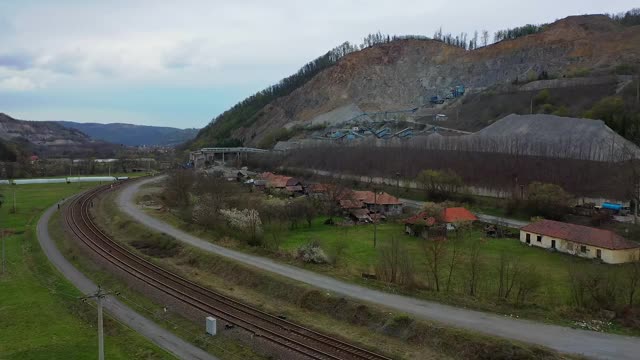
(46, 139)
(133, 135)
(580, 58)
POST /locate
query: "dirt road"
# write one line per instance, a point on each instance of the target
(588, 343)
(155, 333)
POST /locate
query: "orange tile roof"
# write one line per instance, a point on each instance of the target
(456, 214)
(581, 234)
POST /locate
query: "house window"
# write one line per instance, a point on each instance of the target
(539, 238)
(583, 249)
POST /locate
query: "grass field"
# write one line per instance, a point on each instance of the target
(551, 301)
(40, 314)
(369, 325)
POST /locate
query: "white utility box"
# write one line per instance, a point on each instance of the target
(211, 326)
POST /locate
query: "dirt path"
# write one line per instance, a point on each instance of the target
(155, 333)
(563, 339)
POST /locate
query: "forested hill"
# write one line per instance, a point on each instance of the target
(22, 138)
(389, 73)
(133, 135)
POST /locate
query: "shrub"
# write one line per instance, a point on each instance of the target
(312, 253)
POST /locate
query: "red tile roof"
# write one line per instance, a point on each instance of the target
(456, 214)
(368, 197)
(424, 217)
(318, 188)
(351, 204)
(279, 181)
(581, 234)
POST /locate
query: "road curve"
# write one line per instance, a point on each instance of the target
(587, 343)
(158, 335)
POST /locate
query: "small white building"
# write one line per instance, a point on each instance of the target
(581, 241)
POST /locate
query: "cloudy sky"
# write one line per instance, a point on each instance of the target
(180, 63)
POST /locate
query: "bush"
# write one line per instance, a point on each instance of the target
(542, 97)
(312, 253)
(547, 200)
(161, 245)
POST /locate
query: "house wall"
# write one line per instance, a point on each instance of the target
(608, 256)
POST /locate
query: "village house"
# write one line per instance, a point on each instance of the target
(581, 241)
(381, 202)
(282, 182)
(457, 215)
(316, 190)
(418, 224)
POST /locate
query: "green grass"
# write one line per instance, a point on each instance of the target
(551, 302)
(365, 324)
(41, 316)
(116, 174)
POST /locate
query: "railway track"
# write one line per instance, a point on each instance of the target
(295, 338)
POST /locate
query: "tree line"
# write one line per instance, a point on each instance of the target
(506, 172)
(628, 18)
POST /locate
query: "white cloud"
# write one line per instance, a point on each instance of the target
(84, 46)
(16, 83)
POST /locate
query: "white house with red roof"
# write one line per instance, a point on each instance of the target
(579, 240)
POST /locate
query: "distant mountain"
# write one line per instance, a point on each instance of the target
(48, 139)
(133, 135)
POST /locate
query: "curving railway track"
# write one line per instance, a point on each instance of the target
(295, 338)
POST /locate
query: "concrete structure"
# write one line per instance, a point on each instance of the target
(200, 157)
(581, 241)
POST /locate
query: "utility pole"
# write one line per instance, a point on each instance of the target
(375, 223)
(3, 258)
(99, 295)
(14, 200)
(531, 105)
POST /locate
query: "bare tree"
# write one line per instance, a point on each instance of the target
(509, 272)
(474, 269)
(632, 279)
(455, 250)
(485, 37)
(527, 285)
(394, 264)
(577, 285)
(435, 250)
(178, 188)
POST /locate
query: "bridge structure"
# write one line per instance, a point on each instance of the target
(208, 155)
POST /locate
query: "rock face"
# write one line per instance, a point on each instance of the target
(404, 73)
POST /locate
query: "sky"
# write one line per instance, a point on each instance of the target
(181, 63)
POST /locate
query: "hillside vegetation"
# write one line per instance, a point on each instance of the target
(133, 135)
(21, 138)
(391, 73)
